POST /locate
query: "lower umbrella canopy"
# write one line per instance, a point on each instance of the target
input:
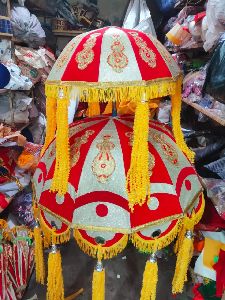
(96, 204)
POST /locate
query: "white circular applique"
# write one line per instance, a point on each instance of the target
(153, 204)
(59, 198)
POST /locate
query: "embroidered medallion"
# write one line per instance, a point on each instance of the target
(145, 52)
(63, 59)
(86, 56)
(117, 59)
(104, 164)
(168, 150)
(75, 148)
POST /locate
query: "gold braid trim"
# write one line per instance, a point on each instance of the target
(158, 243)
(50, 236)
(92, 250)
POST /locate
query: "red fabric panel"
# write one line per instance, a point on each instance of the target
(168, 206)
(160, 71)
(91, 72)
(172, 225)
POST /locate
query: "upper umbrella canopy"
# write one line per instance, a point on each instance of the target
(112, 65)
(113, 56)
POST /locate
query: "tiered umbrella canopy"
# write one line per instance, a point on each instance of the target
(115, 178)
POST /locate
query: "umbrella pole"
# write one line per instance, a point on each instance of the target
(114, 109)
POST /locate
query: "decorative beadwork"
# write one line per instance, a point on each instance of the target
(117, 59)
(75, 148)
(104, 164)
(86, 56)
(168, 150)
(145, 52)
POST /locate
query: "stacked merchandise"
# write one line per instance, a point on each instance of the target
(196, 39)
(23, 71)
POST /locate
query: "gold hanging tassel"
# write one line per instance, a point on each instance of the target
(39, 255)
(62, 165)
(55, 287)
(93, 109)
(51, 121)
(183, 260)
(98, 282)
(150, 279)
(138, 183)
(175, 112)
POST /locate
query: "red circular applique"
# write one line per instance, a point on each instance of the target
(40, 178)
(102, 210)
(188, 185)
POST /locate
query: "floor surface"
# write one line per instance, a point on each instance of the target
(123, 276)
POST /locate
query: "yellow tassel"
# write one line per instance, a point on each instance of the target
(98, 282)
(62, 166)
(39, 256)
(183, 260)
(93, 109)
(55, 288)
(175, 112)
(138, 183)
(150, 279)
(51, 121)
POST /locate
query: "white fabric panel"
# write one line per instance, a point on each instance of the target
(106, 72)
(56, 72)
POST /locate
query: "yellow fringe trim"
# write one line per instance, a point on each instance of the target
(39, 256)
(175, 113)
(138, 181)
(183, 260)
(93, 109)
(92, 250)
(51, 120)
(188, 224)
(149, 283)
(55, 287)
(51, 237)
(158, 243)
(118, 91)
(62, 166)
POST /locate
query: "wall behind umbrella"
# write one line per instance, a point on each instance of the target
(114, 10)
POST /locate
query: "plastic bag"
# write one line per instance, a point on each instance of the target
(214, 12)
(27, 27)
(165, 6)
(138, 17)
(216, 192)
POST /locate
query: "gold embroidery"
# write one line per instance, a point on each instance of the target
(167, 57)
(63, 59)
(86, 56)
(117, 59)
(168, 150)
(75, 148)
(104, 164)
(145, 52)
(151, 158)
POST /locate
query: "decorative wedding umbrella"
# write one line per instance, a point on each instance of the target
(96, 204)
(113, 65)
